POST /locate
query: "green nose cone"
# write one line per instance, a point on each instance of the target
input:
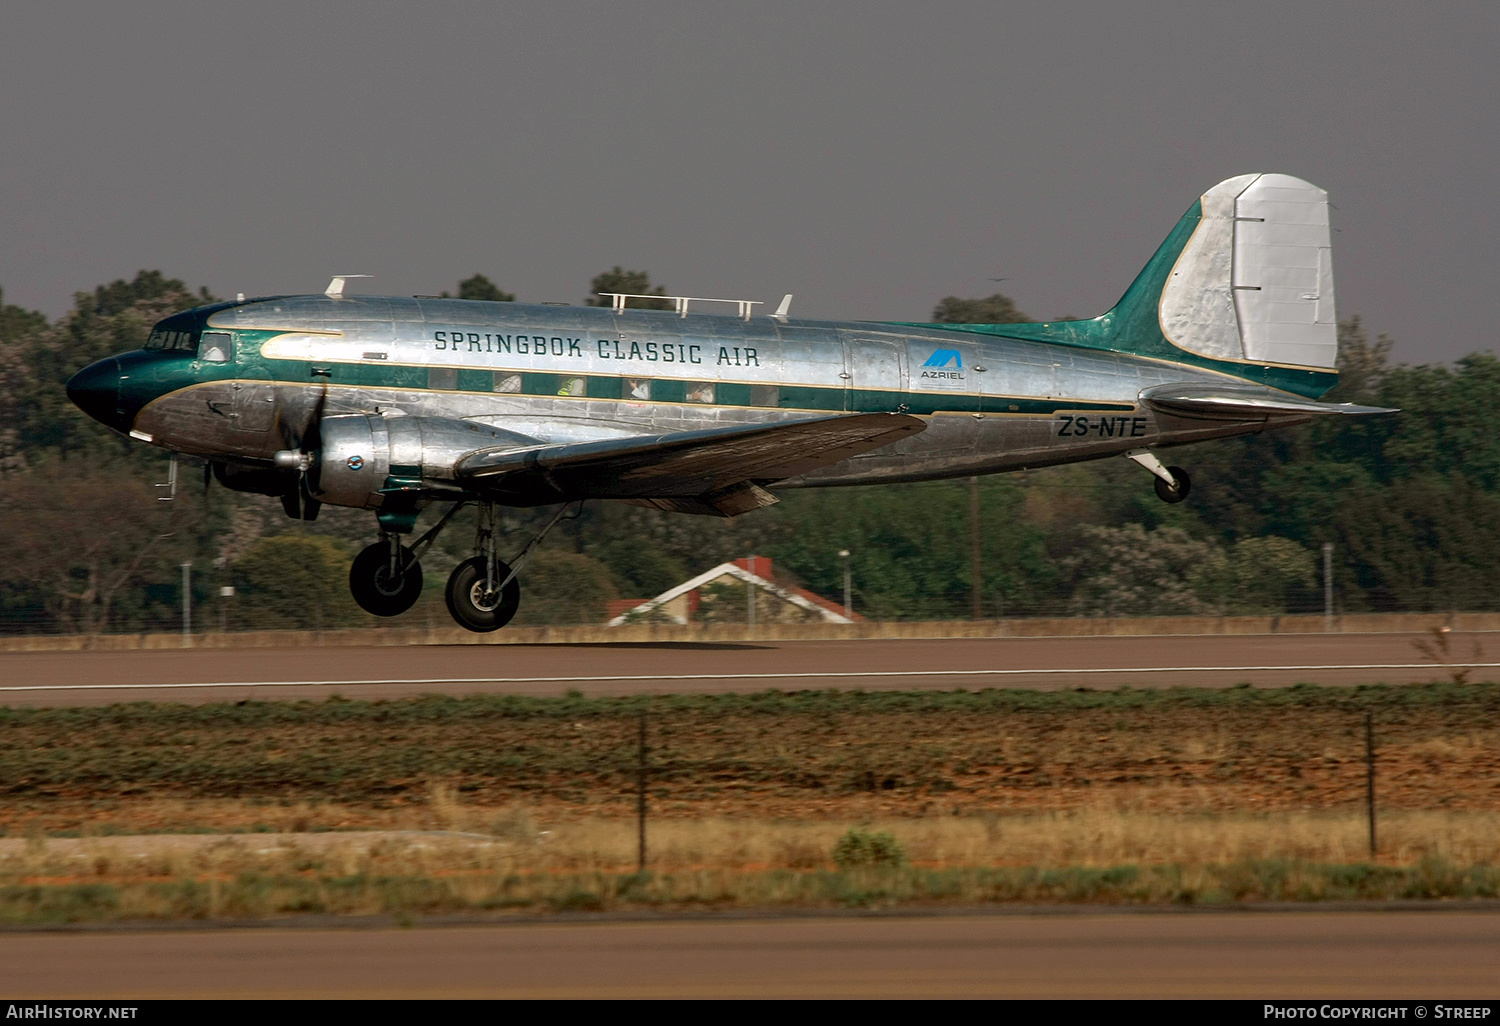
(95, 390)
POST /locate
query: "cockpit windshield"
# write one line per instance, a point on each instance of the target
(174, 341)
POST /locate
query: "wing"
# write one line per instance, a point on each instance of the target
(716, 471)
(1242, 402)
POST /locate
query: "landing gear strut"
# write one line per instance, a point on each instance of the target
(1172, 483)
(386, 578)
(483, 593)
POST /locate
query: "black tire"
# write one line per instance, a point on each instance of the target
(1166, 493)
(469, 604)
(376, 590)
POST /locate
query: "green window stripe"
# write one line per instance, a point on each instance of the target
(733, 395)
(832, 399)
(476, 380)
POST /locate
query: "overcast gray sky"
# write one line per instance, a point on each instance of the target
(868, 157)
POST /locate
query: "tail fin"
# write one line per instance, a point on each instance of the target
(1255, 280)
(1242, 285)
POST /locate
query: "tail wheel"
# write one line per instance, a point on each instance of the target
(1169, 493)
(473, 605)
(377, 589)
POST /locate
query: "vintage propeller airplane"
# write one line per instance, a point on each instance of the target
(390, 404)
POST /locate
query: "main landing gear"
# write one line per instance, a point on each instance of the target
(483, 593)
(1172, 483)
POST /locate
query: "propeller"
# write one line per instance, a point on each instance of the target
(301, 455)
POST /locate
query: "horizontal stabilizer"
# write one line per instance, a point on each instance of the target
(708, 465)
(1237, 401)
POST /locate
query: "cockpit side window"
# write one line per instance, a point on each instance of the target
(216, 347)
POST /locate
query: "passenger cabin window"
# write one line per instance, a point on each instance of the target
(216, 347)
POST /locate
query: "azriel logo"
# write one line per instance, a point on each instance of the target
(943, 357)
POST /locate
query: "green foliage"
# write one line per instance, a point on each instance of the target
(295, 582)
(1425, 542)
(628, 283)
(640, 568)
(565, 587)
(19, 328)
(861, 847)
(996, 309)
(909, 548)
(1411, 503)
(1126, 571)
(112, 318)
(723, 602)
(16, 322)
(92, 549)
(1268, 575)
(478, 287)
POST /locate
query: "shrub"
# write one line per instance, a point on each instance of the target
(860, 847)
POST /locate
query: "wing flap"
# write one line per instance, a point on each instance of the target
(685, 464)
(1231, 401)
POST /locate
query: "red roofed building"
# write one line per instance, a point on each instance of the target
(743, 591)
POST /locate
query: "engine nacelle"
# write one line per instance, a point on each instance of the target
(361, 454)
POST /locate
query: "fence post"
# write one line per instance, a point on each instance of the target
(1370, 776)
(640, 800)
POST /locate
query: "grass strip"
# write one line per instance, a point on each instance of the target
(338, 710)
(252, 896)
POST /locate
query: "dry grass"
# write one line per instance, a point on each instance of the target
(489, 804)
(513, 840)
(480, 859)
(587, 866)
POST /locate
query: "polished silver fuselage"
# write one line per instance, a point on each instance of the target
(550, 374)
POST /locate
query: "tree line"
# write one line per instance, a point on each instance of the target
(1410, 504)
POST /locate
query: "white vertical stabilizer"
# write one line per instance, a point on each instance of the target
(1255, 280)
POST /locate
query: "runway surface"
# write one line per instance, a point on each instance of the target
(1320, 955)
(95, 678)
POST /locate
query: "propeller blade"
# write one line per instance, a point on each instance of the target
(312, 441)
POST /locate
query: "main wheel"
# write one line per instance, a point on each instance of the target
(1167, 493)
(379, 591)
(475, 607)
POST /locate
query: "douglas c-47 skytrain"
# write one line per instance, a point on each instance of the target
(390, 404)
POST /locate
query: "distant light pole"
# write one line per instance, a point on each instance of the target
(1328, 587)
(187, 600)
(848, 600)
(226, 592)
(976, 572)
(750, 596)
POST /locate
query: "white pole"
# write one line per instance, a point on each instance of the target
(750, 596)
(187, 599)
(1328, 587)
(848, 602)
